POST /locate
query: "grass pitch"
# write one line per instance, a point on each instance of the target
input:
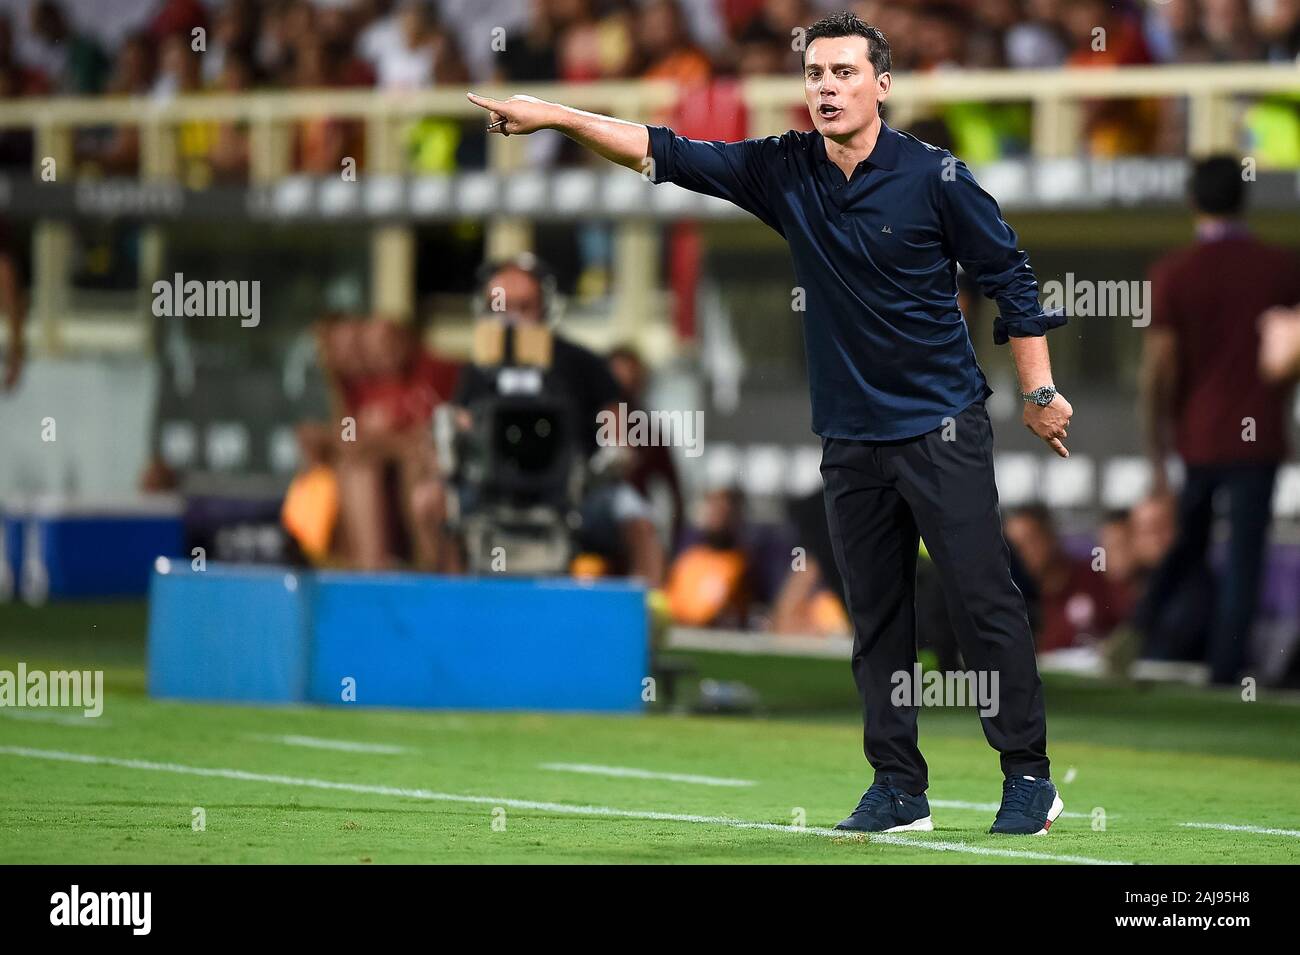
(309, 785)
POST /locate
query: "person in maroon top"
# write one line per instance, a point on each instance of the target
(1202, 387)
(14, 304)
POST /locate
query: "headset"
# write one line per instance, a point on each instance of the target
(528, 262)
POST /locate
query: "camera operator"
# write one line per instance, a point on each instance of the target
(616, 523)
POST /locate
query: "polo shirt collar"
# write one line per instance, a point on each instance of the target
(884, 155)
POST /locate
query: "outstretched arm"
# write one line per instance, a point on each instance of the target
(627, 144)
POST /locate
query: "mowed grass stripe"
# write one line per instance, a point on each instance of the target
(529, 804)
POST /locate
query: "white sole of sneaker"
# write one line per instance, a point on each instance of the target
(1057, 807)
(918, 825)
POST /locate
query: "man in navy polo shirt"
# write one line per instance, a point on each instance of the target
(877, 222)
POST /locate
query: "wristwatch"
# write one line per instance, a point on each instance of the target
(1040, 396)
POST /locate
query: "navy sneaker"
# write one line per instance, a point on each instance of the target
(1029, 807)
(885, 808)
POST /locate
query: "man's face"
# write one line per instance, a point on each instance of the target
(514, 296)
(841, 88)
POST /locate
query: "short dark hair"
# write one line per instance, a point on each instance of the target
(850, 24)
(1217, 187)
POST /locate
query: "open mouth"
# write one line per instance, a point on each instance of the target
(829, 111)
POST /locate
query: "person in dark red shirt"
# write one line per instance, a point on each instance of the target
(1202, 386)
(1078, 602)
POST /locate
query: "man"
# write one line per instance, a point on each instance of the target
(877, 222)
(13, 301)
(1201, 380)
(1075, 601)
(616, 519)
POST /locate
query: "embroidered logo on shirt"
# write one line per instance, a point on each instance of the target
(888, 229)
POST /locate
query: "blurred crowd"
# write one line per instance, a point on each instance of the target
(396, 44)
(73, 47)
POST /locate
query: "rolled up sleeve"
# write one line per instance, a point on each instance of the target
(735, 171)
(986, 247)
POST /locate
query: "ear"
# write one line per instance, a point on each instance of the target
(884, 82)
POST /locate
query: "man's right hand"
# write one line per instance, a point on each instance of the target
(516, 115)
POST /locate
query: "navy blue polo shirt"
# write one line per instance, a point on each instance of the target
(889, 355)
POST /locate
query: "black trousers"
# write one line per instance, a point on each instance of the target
(1249, 492)
(882, 496)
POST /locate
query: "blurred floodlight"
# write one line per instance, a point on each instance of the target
(1017, 476)
(476, 193)
(764, 470)
(805, 474)
(339, 198)
(574, 190)
(1125, 481)
(1069, 482)
(430, 195)
(525, 192)
(383, 195)
(293, 196)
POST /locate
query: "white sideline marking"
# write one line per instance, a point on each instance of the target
(994, 807)
(629, 772)
(62, 719)
(557, 807)
(1228, 827)
(632, 773)
(347, 746)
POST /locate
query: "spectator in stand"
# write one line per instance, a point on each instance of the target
(418, 54)
(652, 471)
(1076, 603)
(179, 16)
(759, 50)
(530, 53)
(1281, 31)
(941, 37)
(1173, 32)
(1038, 41)
(116, 150)
(234, 32)
(13, 301)
(710, 582)
(228, 156)
(1229, 32)
(593, 47)
(179, 70)
(73, 63)
(665, 49)
(323, 142)
(388, 384)
(16, 81)
(1201, 381)
(1103, 38)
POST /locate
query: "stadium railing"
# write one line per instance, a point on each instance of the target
(1056, 99)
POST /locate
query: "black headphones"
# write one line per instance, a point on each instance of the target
(552, 304)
